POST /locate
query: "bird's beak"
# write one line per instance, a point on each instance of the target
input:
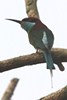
(17, 21)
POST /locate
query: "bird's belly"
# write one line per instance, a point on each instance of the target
(34, 42)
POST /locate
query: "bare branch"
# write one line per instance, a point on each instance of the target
(59, 55)
(58, 95)
(9, 91)
(31, 8)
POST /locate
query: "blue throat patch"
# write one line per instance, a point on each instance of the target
(27, 26)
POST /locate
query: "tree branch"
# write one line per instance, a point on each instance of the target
(58, 95)
(31, 8)
(9, 91)
(59, 55)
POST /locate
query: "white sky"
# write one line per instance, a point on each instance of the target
(34, 81)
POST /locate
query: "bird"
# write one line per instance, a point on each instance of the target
(40, 37)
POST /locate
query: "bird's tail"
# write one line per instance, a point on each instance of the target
(49, 62)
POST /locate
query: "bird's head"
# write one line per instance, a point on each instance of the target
(26, 23)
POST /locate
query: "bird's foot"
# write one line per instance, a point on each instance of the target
(37, 51)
